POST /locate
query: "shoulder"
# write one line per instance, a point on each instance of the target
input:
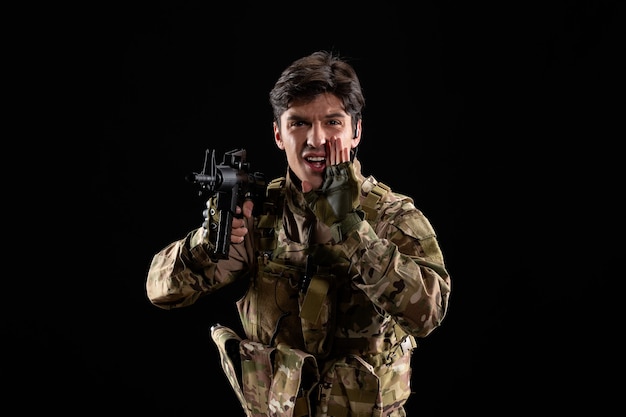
(274, 190)
(387, 209)
(275, 185)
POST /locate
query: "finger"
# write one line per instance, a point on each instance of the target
(343, 152)
(237, 235)
(236, 239)
(248, 205)
(237, 224)
(330, 152)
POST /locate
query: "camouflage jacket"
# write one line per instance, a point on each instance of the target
(329, 326)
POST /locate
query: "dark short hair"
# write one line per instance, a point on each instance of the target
(315, 74)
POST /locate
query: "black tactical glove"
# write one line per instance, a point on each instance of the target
(337, 201)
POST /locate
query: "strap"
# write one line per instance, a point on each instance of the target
(314, 298)
(274, 190)
(301, 408)
(374, 196)
(270, 218)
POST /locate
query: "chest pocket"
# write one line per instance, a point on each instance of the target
(314, 284)
(291, 306)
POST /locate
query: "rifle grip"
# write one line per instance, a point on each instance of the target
(224, 227)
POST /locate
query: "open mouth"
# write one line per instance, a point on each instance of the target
(317, 162)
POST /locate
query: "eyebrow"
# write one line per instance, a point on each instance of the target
(336, 115)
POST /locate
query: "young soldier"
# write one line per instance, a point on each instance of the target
(344, 274)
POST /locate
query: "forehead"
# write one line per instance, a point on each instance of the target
(322, 105)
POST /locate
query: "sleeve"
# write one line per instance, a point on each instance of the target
(183, 272)
(401, 268)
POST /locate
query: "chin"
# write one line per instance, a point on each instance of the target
(316, 181)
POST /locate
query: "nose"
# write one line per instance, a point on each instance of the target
(316, 137)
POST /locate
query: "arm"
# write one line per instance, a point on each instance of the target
(402, 272)
(205, 260)
(399, 265)
(184, 271)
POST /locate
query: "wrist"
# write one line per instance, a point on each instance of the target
(351, 221)
(340, 230)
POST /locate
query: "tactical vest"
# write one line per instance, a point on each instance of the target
(289, 316)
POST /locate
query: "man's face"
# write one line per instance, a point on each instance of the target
(314, 135)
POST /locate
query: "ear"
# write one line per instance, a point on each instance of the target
(357, 135)
(277, 138)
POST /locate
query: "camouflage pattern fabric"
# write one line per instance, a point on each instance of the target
(277, 381)
(343, 350)
(270, 382)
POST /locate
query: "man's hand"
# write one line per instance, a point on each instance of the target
(339, 193)
(239, 229)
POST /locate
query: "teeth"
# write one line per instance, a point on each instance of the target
(316, 159)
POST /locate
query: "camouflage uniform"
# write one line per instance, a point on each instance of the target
(329, 328)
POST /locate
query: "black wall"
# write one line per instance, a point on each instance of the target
(501, 120)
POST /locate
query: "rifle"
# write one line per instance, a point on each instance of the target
(231, 183)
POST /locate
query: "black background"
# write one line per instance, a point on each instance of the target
(502, 120)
